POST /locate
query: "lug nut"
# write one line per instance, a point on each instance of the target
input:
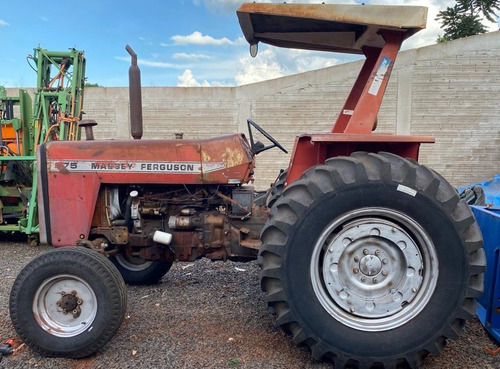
(365, 251)
(363, 279)
(374, 280)
(377, 252)
(384, 272)
(355, 271)
(356, 259)
(385, 261)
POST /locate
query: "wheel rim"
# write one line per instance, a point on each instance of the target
(133, 263)
(374, 269)
(64, 305)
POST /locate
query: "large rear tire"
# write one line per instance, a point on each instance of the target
(137, 271)
(68, 302)
(372, 261)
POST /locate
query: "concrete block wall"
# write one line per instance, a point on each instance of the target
(198, 112)
(448, 90)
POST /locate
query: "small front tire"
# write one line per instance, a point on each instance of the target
(68, 302)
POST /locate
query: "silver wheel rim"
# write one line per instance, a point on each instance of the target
(52, 317)
(374, 269)
(133, 263)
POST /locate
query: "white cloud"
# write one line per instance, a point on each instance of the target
(262, 68)
(187, 79)
(3, 23)
(192, 56)
(197, 38)
(308, 60)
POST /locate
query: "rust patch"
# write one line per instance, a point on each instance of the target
(232, 157)
(61, 168)
(205, 157)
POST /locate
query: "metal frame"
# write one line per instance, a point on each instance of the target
(375, 31)
(57, 108)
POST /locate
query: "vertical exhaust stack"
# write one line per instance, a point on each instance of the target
(134, 78)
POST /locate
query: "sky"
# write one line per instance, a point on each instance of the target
(178, 42)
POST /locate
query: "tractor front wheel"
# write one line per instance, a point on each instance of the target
(372, 261)
(68, 302)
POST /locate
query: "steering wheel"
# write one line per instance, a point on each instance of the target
(258, 148)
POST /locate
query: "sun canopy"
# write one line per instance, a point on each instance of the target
(327, 27)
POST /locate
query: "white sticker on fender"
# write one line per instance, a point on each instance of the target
(407, 190)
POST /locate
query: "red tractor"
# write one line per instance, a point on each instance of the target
(368, 258)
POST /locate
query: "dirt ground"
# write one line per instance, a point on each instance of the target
(203, 315)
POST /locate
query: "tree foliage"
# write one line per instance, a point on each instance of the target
(465, 18)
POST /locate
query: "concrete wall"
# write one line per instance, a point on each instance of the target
(448, 90)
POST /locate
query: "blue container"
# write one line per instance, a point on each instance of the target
(488, 309)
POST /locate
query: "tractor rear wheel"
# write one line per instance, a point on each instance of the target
(137, 271)
(68, 302)
(372, 261)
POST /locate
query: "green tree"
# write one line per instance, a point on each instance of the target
(464, 19)
(487, 8)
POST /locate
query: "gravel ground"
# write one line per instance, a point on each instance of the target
(203, 315)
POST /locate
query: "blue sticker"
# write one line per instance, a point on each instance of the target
(379, 76)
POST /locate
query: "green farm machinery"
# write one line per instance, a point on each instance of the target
(54, 113)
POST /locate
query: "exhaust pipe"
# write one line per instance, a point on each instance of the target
(134, 90)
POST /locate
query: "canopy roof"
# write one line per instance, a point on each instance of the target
(327, 27)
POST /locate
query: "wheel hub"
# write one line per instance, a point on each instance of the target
(370, 265)
(70, 303)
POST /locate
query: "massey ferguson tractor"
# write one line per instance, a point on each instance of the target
(368, 258)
